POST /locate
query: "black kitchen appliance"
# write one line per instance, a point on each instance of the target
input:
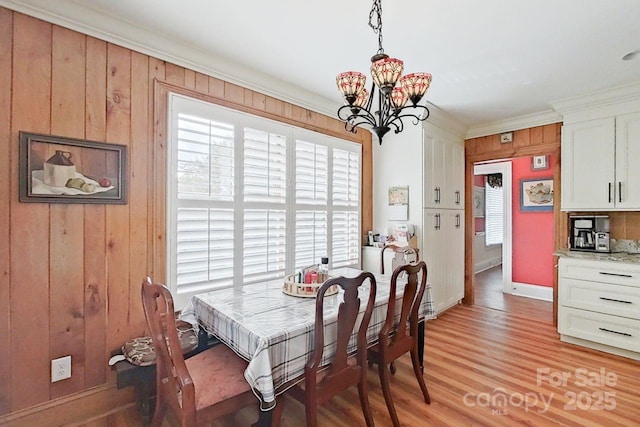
(589, 233)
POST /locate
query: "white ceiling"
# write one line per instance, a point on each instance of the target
(491, 60)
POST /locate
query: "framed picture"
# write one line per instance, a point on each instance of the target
(478, 202)
(55, 169)
(539, 163)
(536, 195)
(399, 195)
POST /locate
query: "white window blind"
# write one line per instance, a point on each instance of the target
(312, 188)
(250, 199)
(494, 216)
(346, 199)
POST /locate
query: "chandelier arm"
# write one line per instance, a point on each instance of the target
(362, 117)
(396, 122)
(418, 117)
(365, 118)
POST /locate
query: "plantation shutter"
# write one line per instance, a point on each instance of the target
(250, 199)
(205, 188)
(264, 186)
(346, 201)
(312, 181)
(494, 216)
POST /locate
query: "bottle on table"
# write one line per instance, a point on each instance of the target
(323, 270)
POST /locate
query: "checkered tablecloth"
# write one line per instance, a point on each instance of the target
(274, 331)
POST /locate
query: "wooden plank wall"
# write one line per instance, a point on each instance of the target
(70, 273)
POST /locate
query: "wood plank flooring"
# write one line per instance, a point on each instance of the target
(488, 293)
(485, 367)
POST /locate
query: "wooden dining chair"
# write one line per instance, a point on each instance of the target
(401, 255)
(400, 336)
(201, 388)
(344, 370)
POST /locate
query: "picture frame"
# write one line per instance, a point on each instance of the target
(536, 194)
(478, 202)
(398, 209)
(539, 163)
(55, 169)
(399, 195)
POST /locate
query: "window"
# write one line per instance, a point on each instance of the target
(250, 199)
(494, 217)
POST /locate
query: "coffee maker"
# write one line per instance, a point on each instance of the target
(589, 233)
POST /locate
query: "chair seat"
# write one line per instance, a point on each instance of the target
(218, 374)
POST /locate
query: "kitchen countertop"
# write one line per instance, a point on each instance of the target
(630, 258)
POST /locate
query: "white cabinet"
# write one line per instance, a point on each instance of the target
(443, 243)
(628, 162)
(443, 170)
(601, 164)
(599, 305)
(443, 219)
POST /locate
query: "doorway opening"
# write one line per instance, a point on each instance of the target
(497, 211)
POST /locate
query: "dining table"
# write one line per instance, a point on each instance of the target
(273, 331)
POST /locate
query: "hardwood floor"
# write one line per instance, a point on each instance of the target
(488, 293)
(484, 367)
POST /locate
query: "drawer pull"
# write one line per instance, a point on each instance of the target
(616, 300)
(616, 332)
(616, 274)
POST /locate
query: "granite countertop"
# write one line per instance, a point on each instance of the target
(631, 258)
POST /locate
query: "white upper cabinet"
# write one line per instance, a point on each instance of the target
(443, 170)
(600, 164)
(628, 161)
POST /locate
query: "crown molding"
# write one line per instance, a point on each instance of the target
(515, 123)
(78, 17)
(602, 103)
(442, 119)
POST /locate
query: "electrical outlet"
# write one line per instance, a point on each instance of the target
(60, 369)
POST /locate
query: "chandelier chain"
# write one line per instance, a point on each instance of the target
(376, 13)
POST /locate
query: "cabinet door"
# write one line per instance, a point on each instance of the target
(443, 170)
(434, 161)
(453, 194)
(627, 191)
(455, 256)
(588, 150)
(444, 254)
(435, 256)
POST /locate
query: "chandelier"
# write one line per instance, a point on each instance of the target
(390, 89)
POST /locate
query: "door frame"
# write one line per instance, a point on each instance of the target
(535, 141)
(503, 167)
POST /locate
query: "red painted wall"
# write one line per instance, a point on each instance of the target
(532, 231)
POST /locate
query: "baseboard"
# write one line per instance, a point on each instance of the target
(487, 264)
(544, 293)
(77, 408)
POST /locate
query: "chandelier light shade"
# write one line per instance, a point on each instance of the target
(389, 89)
